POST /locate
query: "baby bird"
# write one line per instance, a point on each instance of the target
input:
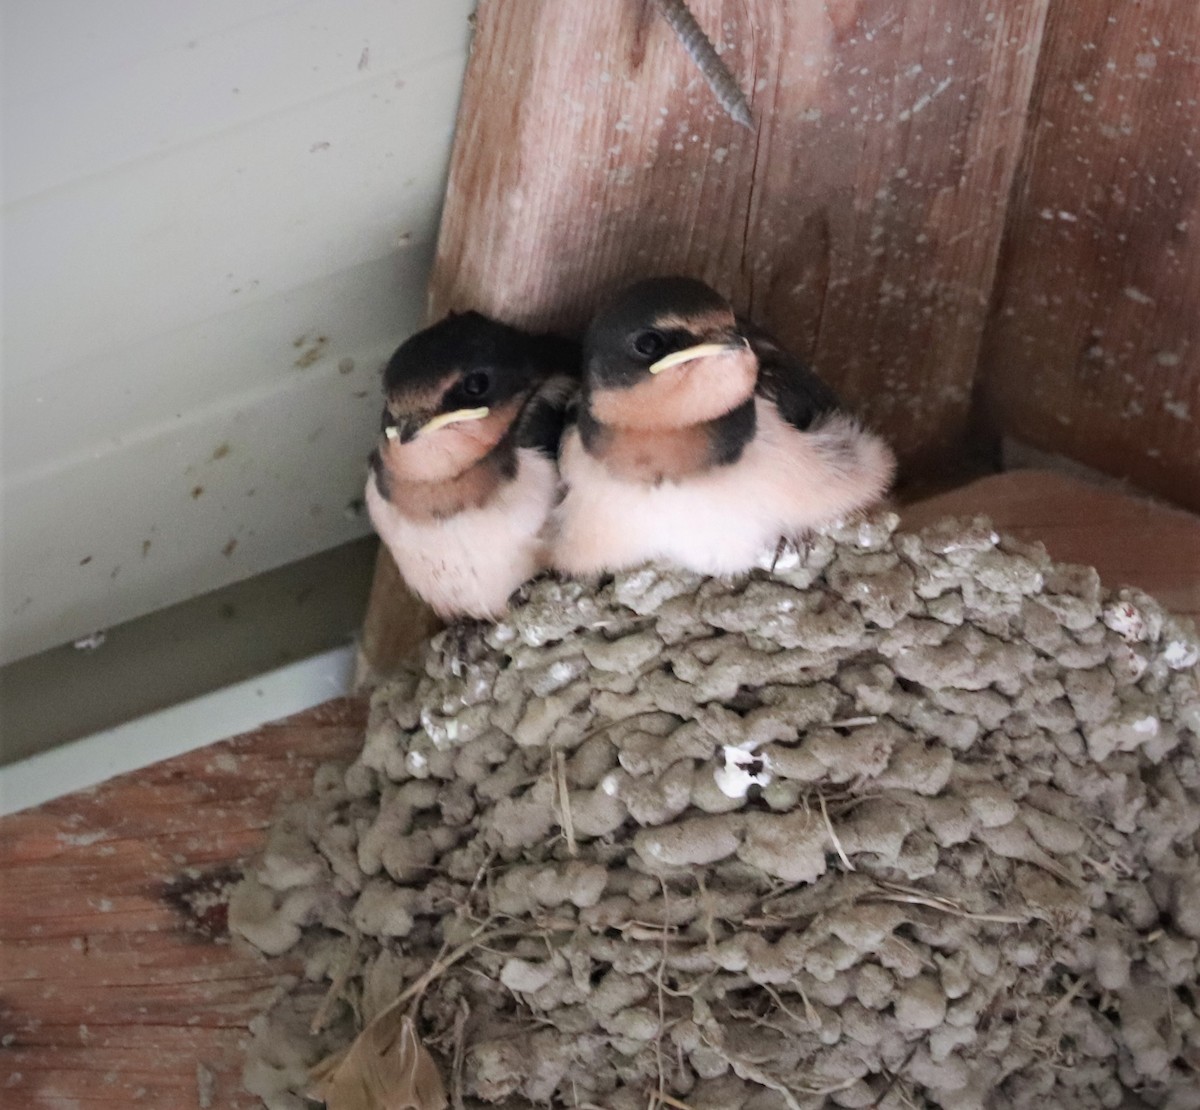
(464, 476)
(700, 442)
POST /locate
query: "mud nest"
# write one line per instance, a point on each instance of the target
(901, 821)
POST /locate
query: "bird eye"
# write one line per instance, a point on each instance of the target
(649, 344)
(476, 384)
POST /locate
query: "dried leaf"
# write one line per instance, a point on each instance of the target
(385, 1068)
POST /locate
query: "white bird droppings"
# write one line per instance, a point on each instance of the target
(740, 771)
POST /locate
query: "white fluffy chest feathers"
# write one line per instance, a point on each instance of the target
(719, 521)
(470, 563)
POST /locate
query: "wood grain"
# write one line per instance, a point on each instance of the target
(396, 625)
(117, 977)
(1093, 349)
(860, 218)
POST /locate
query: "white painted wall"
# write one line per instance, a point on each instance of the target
(218, 221)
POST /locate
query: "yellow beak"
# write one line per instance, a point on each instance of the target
(444, 419)
(394, 433)
(688, 354)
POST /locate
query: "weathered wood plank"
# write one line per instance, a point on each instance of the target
(395, 626)
(860, 218)
(117, 978)
(1093, 350)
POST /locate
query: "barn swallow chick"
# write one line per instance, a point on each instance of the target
(464, 476)
(700, 442)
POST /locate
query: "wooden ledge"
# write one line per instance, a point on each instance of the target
(119, 985)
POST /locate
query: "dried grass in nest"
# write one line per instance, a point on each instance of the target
(963, 872)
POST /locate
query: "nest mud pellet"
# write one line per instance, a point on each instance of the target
(900, 821)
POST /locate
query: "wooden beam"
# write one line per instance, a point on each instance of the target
(1093, 350)
(118, 981)
(396, 624)
(860, 217)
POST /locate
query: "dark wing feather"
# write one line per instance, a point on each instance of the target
(800, 395)
(547, 414)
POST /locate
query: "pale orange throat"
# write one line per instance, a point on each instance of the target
(447, 452)
(653, 455)
(691, 393)
(489, 431)
(441, 498)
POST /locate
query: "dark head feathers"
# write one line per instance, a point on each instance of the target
(639, 303)
(461, 341)
(644, 304)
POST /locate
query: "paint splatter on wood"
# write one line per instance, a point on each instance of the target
(1093, 349)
